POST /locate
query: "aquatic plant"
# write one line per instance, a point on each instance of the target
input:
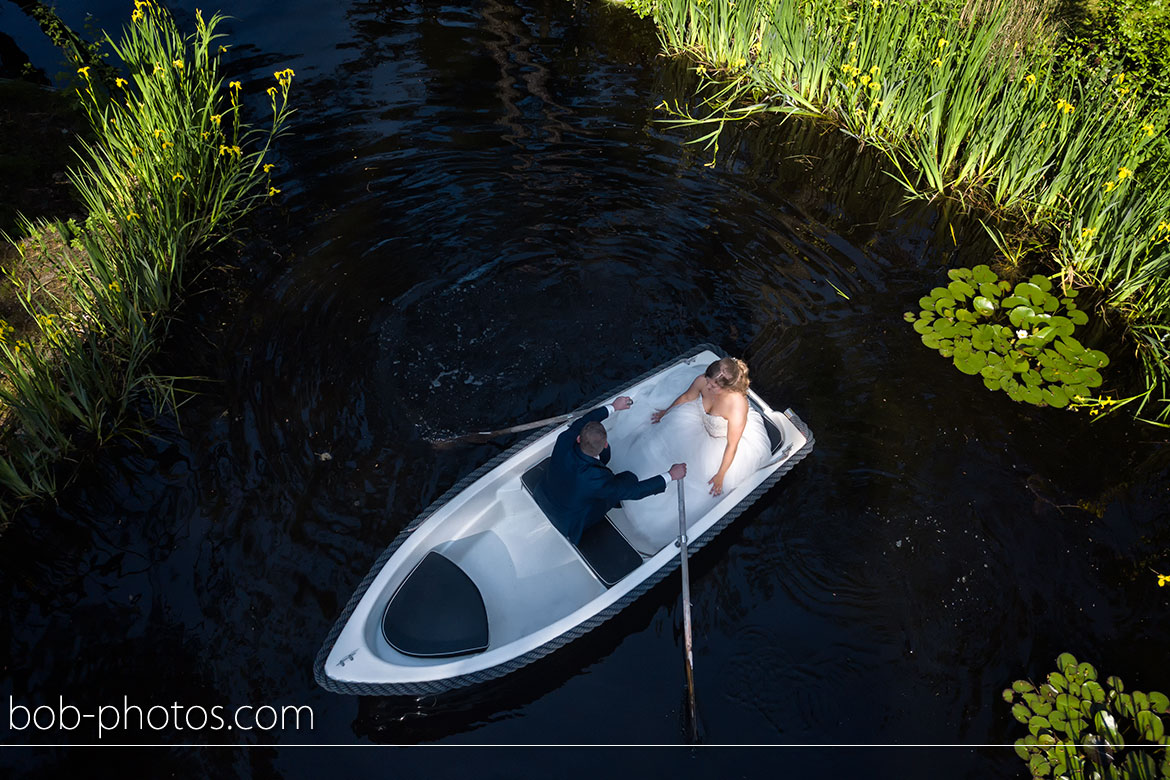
(1081, 729)
(172, 171)
(1018, 338)
(966, 100)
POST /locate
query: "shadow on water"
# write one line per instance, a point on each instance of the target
(485, 224)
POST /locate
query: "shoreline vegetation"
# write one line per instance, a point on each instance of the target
(1060, 150)
(169, 171)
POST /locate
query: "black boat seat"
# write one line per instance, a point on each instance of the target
(602, 546)
(775, 436)
(437, 611)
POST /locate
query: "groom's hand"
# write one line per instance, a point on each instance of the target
(678, 471)
(622, 402)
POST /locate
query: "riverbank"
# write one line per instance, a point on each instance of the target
(969, 100)
(170, 169)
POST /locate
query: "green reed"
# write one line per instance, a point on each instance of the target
(965, 101)
(173, 170)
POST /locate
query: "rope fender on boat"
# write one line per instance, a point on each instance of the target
(460, 681)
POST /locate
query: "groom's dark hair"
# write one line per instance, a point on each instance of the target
(593, 439)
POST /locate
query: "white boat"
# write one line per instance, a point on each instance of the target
(482, 584)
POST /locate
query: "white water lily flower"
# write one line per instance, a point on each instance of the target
(1022, 334)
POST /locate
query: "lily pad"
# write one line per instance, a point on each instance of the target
(1021, 316)
(984, 305)
(1043, 282)
(960, 290)
(1055, 396)
(989, 291)
(983, 274)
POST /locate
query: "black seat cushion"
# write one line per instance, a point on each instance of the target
(437, 611)
(602, 545)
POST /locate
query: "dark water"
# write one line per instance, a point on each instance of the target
(483, 224)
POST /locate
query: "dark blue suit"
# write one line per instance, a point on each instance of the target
(577, 490)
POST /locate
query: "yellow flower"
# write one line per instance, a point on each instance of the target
(237, 151)
(215, 119)
(223, 49)
(167, 144)
(1164, 226)
(268, 167)
(936, 62)
(84, 71)
(157, 69)
(114, 286)
(204, 135)
(136, 16)
(864, 80)
(235, 85)
(157, 132)
(1148, 129)
(1120, 77)
(178, 64)
(1123, 173)
(178, 177)
(1064, 106)
(1109, 186)
(273, 191)
(120, 82)
(1088, 232)
(1029, 79)
(1162, 580)
(942, 43)
(876, 71)
(877, 4)
(272, 92)
(113, 121)
(133, 215)
(875, 86)
(852, 45)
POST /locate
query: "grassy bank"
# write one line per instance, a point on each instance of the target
(170, 172)
(969, 99)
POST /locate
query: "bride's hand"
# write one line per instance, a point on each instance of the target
(716, 483)
(658, 415)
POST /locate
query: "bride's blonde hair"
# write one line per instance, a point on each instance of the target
(730, 374)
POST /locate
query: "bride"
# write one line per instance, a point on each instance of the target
(711, 427)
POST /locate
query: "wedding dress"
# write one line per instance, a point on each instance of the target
(687, 434)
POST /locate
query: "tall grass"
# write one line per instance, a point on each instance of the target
(173, 170)
(967, 100)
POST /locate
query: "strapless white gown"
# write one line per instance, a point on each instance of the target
(687, 434)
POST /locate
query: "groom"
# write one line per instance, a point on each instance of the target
(578, 488)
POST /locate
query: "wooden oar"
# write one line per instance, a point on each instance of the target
(686, 600)
(481, 436)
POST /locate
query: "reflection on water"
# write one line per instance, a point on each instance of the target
(484, 225)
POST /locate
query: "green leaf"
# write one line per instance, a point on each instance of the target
(1030, 291)
(1043, 282)
(982, 274)
(989, 291)
(1058, 719)
(943, 305)
(1023, 686)
(1150, 725)
(1021, 713)
(1084, 376)
(1008, 696)
(991, 383)
(1066, 703)
(938, 292)
(1086, 671)
(1039, 766)
(909, 316)
(1062, 325)
(1115, 683)
(1140, 701)
(922, 326)
(1049, 303)
(926, 302)
(1014, 300)
(1159, 702)
(1072, 347)
(1021, 749)
(1093, 358)
(960, 290)
(1030, 394)
(1094, 691)
(971, 364)
(959, 274)
(1021, 316)
(1064, 660)
(983, 305)
(1078, 317)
